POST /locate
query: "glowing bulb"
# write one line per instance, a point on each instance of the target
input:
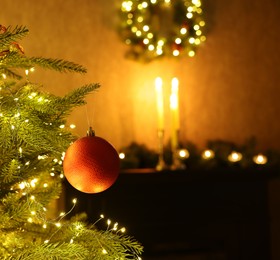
(123, 229)
(146, 41)
(72, 126)
(178, 40)
(235, 157)
(191, 53)
(4, 76)
(32, 197)
(260, 159)
(208, 154)
(61, 126)
(45, 226)
(146, 28)
(58, 224)
(74, 201)
(183, 30)
(104, 251)
(22, 185)
(184, 153)
(176, 53)
(189, 15)
(122, 155)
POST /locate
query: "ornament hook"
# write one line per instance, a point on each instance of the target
(90, 132)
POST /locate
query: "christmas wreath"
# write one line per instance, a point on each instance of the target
(158, 28)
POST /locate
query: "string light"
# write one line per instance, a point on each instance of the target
(208, 154)
(134, 33)
(260, 159)
(122, 155)
(234, 156)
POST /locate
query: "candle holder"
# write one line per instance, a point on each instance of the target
(161, 164)
(177, 163)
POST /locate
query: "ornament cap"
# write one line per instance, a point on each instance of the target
(90, 132)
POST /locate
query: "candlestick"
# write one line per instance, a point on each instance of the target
(161, 164)
(159, 97)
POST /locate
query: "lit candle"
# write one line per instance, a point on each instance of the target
(174, 114)
(159, 97)
(175, 102)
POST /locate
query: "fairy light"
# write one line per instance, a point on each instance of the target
(137, 23)
(115, 226)
(176, 53)
(104, 251)
(45, 226)
(208, 154)
(122, 155)
(234, 156)
(72, 126)
(58, 224)
(62, 126)
(260, 159)
(33, 182)
(62, 214)
(74, 201)
(184, 153)
(22, 185)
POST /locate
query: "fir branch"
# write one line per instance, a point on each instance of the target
(56, 64)
(11, 35)
(61, 251)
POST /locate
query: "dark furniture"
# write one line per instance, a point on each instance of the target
(217, 214)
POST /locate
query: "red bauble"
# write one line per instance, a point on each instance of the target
(91, 164)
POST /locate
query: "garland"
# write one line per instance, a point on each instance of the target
(218, 154)
(158, 28)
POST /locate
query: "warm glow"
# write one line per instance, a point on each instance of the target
(122, 155)
(175, 53)
(184, 153)
(235, 157)
(260, 159)
(159, 99)
(208, 154)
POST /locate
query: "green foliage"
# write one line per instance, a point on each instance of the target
(32, 143)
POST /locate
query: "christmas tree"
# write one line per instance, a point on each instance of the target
(33, 140)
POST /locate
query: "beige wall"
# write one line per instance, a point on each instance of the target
(230, 90)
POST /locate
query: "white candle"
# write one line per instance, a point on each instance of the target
(175, 102)
(174, 107)
(159, 97)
